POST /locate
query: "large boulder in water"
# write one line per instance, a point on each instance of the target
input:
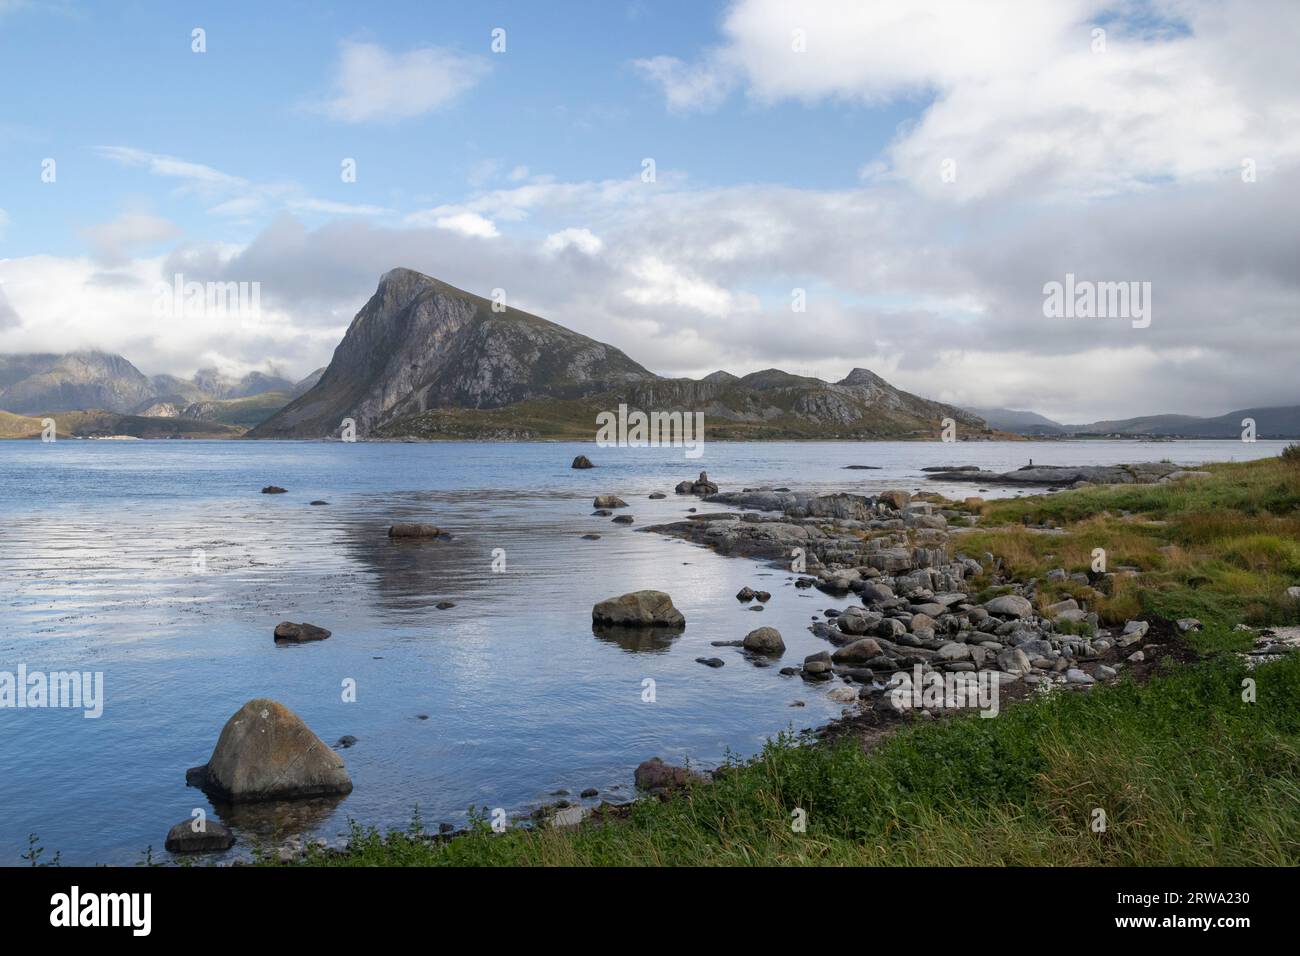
(609, 501)
(266, 752)
(639, 609)
(764, 640)
(582, 461)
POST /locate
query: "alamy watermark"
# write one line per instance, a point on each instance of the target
(71, 690)
(636, 429)
(192, 300)
(931, 690)
(1085, 299)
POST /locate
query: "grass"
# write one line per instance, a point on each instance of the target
(1185, 771)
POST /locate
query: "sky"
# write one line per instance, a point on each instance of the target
(813, 186)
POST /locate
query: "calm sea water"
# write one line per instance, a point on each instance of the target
(521, 698)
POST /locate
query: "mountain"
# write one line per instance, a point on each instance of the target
(42, 384)
(1015, 420)
(1271, 422)
(420, 343)
(423, 359)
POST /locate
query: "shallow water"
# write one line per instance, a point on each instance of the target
(98, 543)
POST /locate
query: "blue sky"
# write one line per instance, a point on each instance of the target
(921, 171)
(564, 100)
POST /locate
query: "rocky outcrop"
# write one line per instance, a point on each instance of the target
(700, 486)
(1055, 476)
(266, 752)
(639, 609)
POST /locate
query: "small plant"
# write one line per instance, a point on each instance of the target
(35, 851)
(1291, 454)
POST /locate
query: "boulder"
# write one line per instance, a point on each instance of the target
(710, 661)
(1134, 631)
(764, 640)
(1009, 605)
(655, 775)
(1014, 661)
(198, 836)
(286, 632)
(639, 609)
(858, 652)
(414, 529)
(623, 519)
(266, 752)
(609, 501)
(701, 486)
(582, 461)
(896, 498)
(273, 490)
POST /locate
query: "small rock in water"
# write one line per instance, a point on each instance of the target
(657, 495)
(346, 741)
(591, 537)
(319, 502)
(273, 490)
(601, 513)
(286, 632)
(582, 461)
(745, 594)
(198, 836)
(709, 661)
(609, 501)
(589, 792)
(445, 605)
(623, 519)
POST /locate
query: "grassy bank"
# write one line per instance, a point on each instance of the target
(1185, 770)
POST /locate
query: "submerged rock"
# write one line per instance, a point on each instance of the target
(287, 632)
(639, 609)
(266, 752)
(273, 490)
(414, 529)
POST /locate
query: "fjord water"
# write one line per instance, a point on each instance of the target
(496, 702)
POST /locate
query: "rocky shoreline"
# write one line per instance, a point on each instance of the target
(916, 620)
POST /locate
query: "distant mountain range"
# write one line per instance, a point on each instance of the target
(425, 360)
(1275, 422)
(46, 384)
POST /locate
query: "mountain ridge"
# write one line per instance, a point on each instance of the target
(425, 359)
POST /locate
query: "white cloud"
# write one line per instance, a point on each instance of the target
(115, 242)
(374, 84)
(1018, 99)
(468, 224)
(160, 165)
(584, 240)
